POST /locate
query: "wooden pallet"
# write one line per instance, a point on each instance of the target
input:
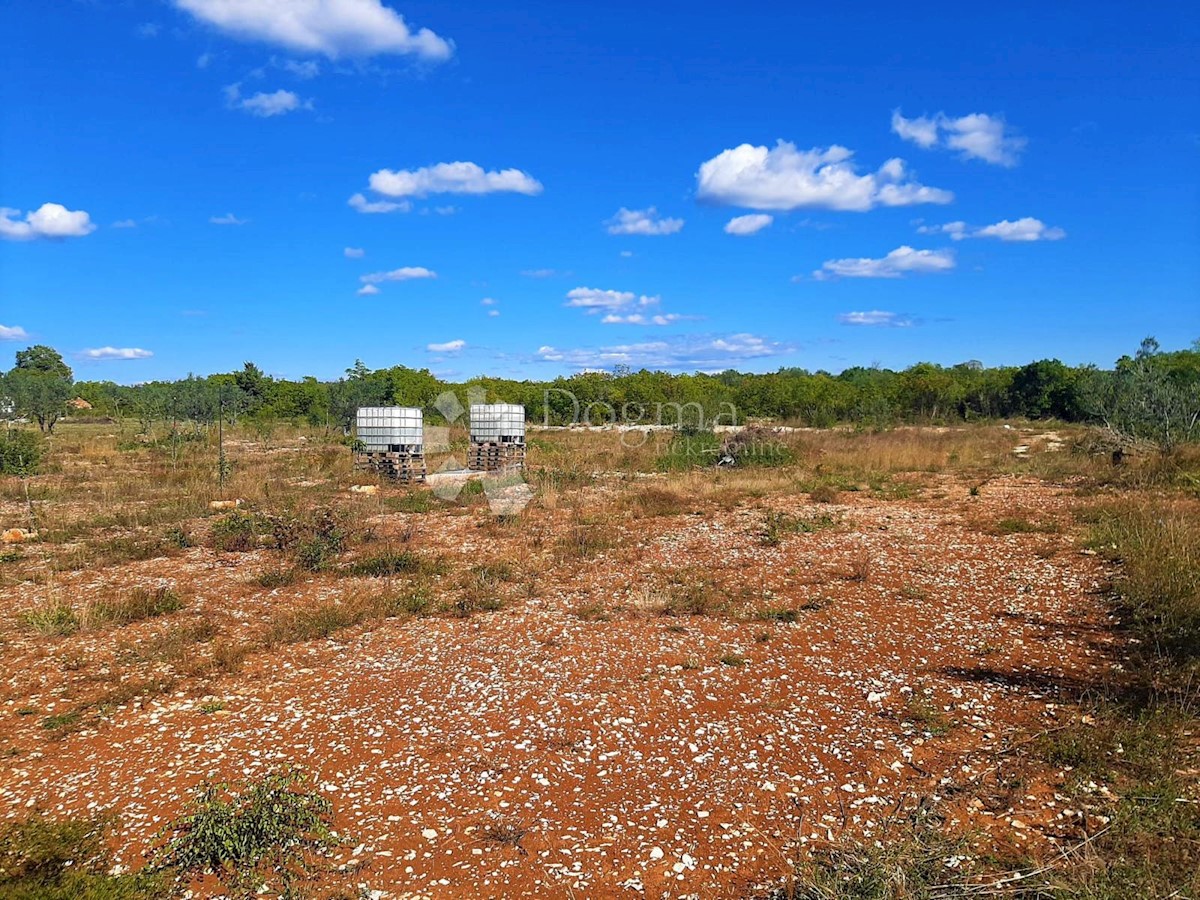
(495, 457)
(405, 468)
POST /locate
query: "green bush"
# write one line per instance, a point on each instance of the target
(239, 531)
(267, 831)
(20, 452)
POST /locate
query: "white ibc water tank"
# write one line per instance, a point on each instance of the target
(395, 428)
(497, 423)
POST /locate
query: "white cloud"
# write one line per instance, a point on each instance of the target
(447, 347)
(974, 136)
(487, 301)
(116, 353)
(642, 221)
(493, 313)
(1025, 229)
(367, 290)
(50, 220)
(354, 252)
(898, 263)
(203, 60)
(124, 223)
(363, 205)
(227, 219)
(452, 178)
(687, 352)
(304, 70)
(786, 178)
(265, 105)
(640, 319)
(13, 333)
(406, 273)
(745, 225)
(594, 299)
(333, 28)
(877, 317)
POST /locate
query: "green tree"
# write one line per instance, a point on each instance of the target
(39, 386)
(38, 396)
(1152, 395)
(45, 360)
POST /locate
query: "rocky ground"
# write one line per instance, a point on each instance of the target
(580, 741)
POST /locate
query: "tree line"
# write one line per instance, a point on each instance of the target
(1152, 394)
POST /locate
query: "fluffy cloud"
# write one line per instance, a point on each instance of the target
(1026, 229)
(452, 178)
(227, 219)
(447, 347)
(745, 225)
(681, 352)
(786, 178)
(898, 263)
(264, 105)
(333, 28)
(406, 273)
(13, 333)
(594, 299)
(354, 252)
(642, 221)
(363, 205)
(974, 136)
(877, 317)
(50, 220)
(116, 353)
(367, 290)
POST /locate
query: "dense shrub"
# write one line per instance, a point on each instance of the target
(20, 452)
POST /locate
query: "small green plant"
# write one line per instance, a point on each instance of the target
(56, 617)
(139, 604)
(276, 578)
(693, 596)
(778, 615)
(413, 603)
(1016, 525)
(317, 540)
(319, 621)
(62, 721)
(776, 524)
(411, 502)
(212, 706)
(176, 536)
(386, 564)
(238, 531)
(271, 831)
(593, 611)
(734, 660)
(824, 493)
(926, 715)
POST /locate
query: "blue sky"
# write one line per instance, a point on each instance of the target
(188, 184)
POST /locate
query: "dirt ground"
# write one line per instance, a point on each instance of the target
(588, 738)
